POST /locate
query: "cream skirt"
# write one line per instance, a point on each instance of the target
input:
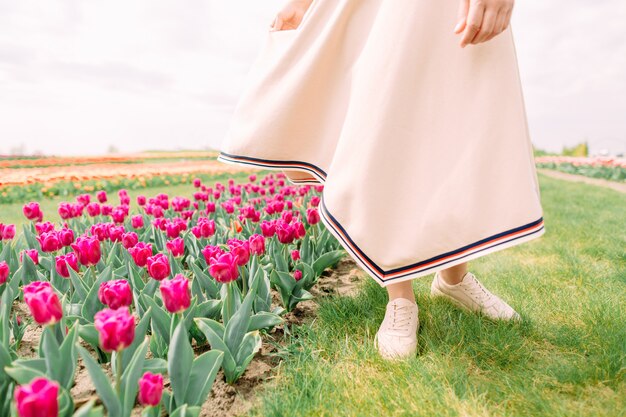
(422, 146)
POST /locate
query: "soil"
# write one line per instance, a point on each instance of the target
(226, 400)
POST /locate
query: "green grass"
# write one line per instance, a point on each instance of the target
(566, 358)
(12, 213)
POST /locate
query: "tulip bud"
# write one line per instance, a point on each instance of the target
(8, 232)
(87, 249)
(176, 247)
(62, 262)
(295, 254)
(224, 268)
(297, 274)
(4, 272)
(32, 254)
(43, 302)
(39, 398)
(257, 244)
(116, 328)
(150, 389)
(176, 294)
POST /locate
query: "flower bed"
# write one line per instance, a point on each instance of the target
(608, 168)
(177, 290)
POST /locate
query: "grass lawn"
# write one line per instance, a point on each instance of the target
(12, 213)
(566, 358)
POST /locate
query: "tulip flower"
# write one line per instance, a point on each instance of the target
(41, 227)
(158, 266)
(115, 294)
(268, 228)
(43, 302)
(116, 233)
(141, 200)
(87, 249)
(150, 389)
(285, 232)
(297, 274)
(32, 211)
(295, 254)
(8, 232)
(39, 398)
(4, 272)
(49, 241)
(176, 294)
(102, 196)
(62, 262)
(66, 236)
(129, 239)
(176, 247)
(224, 268)
(137, 221)
(140, 253)
(32, 254)
(116, 328)
(257, 244)
(240, 248)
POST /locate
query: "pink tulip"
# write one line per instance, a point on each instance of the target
(39, 398)
(299, 230)
(87, 249)
(93, 209)
(32, 211)
(66, 236)
(115, 294)
(295, 254)
(197, 182)
(4, 272)
(150, 389)
(224, 268)
(297, 274)
(140, 253)
(43, 302)
(32, 254)
(286, 232)
(41, 227)
(102, 196)
(137, 221)
(141, 200)
(8, 232)
(257, 244)
(241, 249)
(312, 216)
(211, 252)
(129, 239)
(62, 263)
(49, 241)
(176, 294)
(268, 228)
(176, 246)
(116, 328)
(159, 266)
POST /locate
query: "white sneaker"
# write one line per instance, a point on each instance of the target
(397, 336)
(471, 295)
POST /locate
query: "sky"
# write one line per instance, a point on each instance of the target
(85, 77)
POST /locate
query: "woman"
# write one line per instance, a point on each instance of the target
(421, 142)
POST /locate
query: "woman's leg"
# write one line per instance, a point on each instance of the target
(452, 275)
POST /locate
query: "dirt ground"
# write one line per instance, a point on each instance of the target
(226, 400)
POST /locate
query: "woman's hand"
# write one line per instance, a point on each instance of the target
(481, 20)
(290, 16)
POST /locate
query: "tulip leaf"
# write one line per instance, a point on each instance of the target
(210, 309)
(5, 361)
(69, 356)
(280, 263)
(28, 269)
(326, 260)
(180, 358)
(202, 376)
(249, 347)
(92, 303)
(52, 354)
(161, 320)
(89, 334)
(263, 320)
(131, 375)
(196, 290)
(22, 374)
(5, 313)
(141, 329)
(102, 384)
(217, 343)
(88, 410)
(186, 411)
(38, 364)
(155, 365)
(238, 324)
(208, 283)
(77, 283)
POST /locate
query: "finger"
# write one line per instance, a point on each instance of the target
(507, 19)
(279, 23)
(472, 26)
(486, 29)
(461, 16)
(499, 26)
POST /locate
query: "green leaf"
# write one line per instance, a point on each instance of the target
(78, 284)
(89, 334)
(249, 346)
(69, 357)
(202, 376)
(263, 320)
(155, 365)
(88, 410)
(217, 343)
(161, 320)
(92, 304)
(5, 360)
(180, 358)
(140, 330)
(23, 375)
(326, 260)
(102, 384)
(131, 375)
(52, 354)
(186, 411)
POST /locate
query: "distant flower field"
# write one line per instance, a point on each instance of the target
(608, 168)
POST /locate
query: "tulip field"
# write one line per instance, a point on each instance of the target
(608, 168)
(155, 297)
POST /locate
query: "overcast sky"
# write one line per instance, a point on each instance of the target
(79, 76)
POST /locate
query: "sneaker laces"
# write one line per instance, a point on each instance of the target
(401, 317)
(477, 290)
